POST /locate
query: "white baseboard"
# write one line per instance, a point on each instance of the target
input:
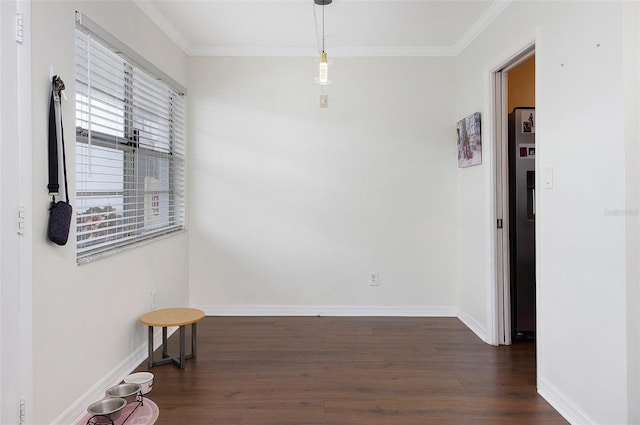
(474, 325)
(562, 404)
(308, 310)
(78, 410)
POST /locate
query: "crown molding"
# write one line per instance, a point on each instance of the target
(260, 51)
(311, 51)
(496, 8)
(390, 51)
(163, 23)
(490, 15)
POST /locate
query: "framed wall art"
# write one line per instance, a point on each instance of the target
(469, 141)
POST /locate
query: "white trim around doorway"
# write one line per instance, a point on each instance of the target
(498, 326)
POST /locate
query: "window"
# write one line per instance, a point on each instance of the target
(129, 150)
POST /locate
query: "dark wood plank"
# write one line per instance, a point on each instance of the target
(340, 371)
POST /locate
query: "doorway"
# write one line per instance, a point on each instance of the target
(514, 113)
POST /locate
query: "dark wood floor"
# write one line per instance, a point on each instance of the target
(340, 371)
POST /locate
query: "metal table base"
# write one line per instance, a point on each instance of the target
(166, 358)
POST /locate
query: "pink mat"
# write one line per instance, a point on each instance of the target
(147, 414)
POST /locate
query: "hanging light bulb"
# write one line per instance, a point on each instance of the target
(323, 66)
(323, 69)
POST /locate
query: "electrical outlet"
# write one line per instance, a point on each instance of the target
(374, 279)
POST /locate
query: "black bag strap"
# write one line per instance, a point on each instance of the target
(53, 185)
(57, 87)
(64, 156)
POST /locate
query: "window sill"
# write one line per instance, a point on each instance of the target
(94, 257)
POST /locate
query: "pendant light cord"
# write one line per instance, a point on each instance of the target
(319, 44)
(323, 27)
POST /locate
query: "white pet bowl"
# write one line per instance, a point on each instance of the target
(144, 379)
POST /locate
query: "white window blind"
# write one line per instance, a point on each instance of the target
(129, 151)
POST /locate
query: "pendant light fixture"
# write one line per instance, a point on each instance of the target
(323, 66)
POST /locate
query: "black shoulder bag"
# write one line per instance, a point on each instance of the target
(60, 212)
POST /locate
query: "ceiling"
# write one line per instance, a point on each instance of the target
(294, 27)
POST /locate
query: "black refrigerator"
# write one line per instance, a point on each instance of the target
(522, 215)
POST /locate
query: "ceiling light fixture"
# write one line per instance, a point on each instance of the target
(323, 67)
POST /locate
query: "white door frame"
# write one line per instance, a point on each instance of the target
(500, 122)
(16, 318)
(500, 294)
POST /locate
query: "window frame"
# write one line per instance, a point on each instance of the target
(132, 229)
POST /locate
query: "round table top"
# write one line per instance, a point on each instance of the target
(172, 317)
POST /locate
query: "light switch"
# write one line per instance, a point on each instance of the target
(324, 101)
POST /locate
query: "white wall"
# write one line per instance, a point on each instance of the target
(86, 317)
(582, 333)
(292, 205)
(582, 249)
